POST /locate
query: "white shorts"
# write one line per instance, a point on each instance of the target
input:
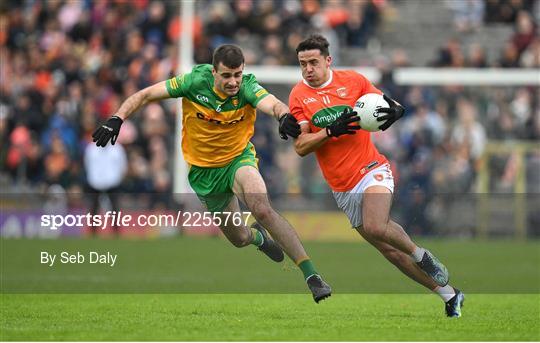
(351, 201)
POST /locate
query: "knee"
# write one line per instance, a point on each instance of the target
(374, 229)
(243, 239)
(262, 212)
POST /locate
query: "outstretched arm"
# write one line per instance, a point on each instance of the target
(110, 129)
(272, 106)
(155, 92)
(287, 123)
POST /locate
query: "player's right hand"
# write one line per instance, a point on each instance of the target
(109, 130)
(344, 124)
(288, 126)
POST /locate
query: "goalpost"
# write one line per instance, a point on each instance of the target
(185, 64)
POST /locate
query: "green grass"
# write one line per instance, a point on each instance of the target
(204, 289)
(276, 317)
(197, 265)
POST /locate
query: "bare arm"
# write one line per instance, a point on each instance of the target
(272, 106)
(308, 142)
(155, 92)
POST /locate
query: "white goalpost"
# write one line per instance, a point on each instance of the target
(185, 64)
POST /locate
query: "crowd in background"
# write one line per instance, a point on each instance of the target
(522, 50)
(67, 65)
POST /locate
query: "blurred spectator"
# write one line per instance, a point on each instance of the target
(509, 56)
(457, 176)
(361, 22)
(162, 185)
(521, 107)
(335, 13)
(57, 163)
(105, 169)
(505, 128)
(525, 31)
(530, 58)
(469, 134)
(505, 11)
(154, 26)
(400, 59)
(273, 51)
(468, 14)
(476, 56)
(426, 127)
(450, 55)
(417, 191)
(219, 25)
(138, 178)
(19, 149)
(70, 14)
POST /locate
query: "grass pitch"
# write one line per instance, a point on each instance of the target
(276, 317)
(203, 289)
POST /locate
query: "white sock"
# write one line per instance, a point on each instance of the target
(446, 293)
(417, 254)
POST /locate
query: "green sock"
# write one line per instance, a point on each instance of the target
(307, 268)
(258, 239)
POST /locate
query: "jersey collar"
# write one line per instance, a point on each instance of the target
(223, 96)
(329, 81)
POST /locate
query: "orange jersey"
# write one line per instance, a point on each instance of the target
(346, 159)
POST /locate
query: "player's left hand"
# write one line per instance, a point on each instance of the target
(288, 126)
(393, 113)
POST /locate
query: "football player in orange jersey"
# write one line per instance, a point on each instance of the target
(360, 177)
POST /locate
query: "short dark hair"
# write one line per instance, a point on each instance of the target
(313, 42)
(230, 55)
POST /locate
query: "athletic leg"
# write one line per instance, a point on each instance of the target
(400, 259)
(394, 243)
(376, 203)
(239, 235)
(452, 297)
(249, 186)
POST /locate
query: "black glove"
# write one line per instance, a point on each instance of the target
(107, 131)
(343, 125)
(288, 126)
(394, 112)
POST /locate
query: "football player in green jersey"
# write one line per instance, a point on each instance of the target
(219, 104)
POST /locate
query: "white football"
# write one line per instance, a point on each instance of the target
(365, 108)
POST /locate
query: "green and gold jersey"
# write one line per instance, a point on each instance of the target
(216, 128)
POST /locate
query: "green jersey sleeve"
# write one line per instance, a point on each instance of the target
(253, 92)
(178, 85)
